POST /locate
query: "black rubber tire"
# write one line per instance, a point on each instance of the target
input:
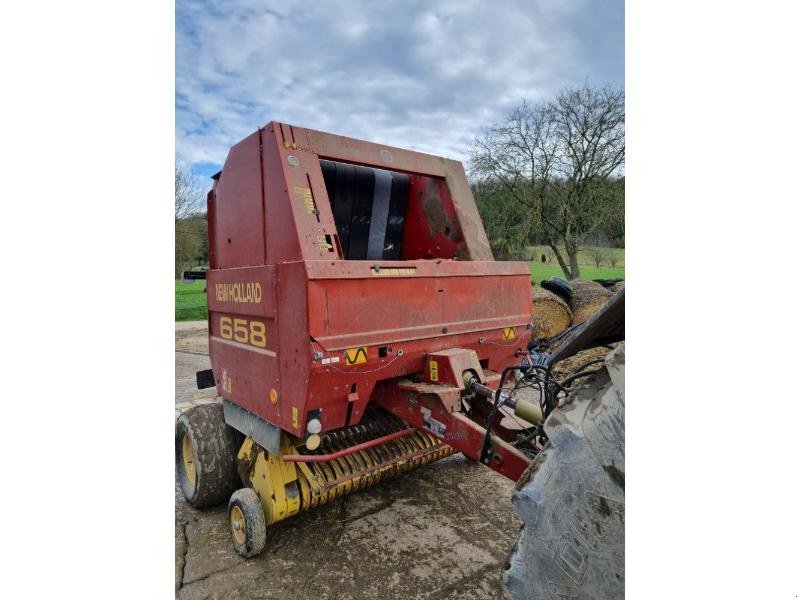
(571, 500)
(255, 531)
(560, 287)
(214, 446)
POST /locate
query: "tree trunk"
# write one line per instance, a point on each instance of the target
(574, 268)
(573, 265)
(560, 259)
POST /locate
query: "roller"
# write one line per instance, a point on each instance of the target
(346, 460)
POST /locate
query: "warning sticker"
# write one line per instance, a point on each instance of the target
(433, 366)
(330, 359)
(303, 194)
(508, 333)
(355, 356)
(437, 428)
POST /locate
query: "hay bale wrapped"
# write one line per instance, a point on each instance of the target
(587, 298)
(551, 315)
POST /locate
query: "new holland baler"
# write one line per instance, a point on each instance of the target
(358, 327)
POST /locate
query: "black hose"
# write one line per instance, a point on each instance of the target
(587, 364)
(575, 376)
(485, 456)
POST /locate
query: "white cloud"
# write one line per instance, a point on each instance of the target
(420, 75)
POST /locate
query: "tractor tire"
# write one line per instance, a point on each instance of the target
(248, 526)
(571, 499)
(205, 455)
(558, 286)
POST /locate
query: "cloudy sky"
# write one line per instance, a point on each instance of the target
(424, 75)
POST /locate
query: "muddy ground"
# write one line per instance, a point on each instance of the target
(443, 531)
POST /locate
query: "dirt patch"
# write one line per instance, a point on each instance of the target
(192, 339)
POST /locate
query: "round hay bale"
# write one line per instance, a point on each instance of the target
(587, 298)
(550, 315)
(616, 287)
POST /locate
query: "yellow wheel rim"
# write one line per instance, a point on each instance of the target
(188, 459)
(238, 529)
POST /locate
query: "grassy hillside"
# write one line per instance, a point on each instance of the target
(190, 301)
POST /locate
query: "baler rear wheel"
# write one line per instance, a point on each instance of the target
(248, 527)
(205, 455)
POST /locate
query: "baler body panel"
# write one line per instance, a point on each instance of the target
(296, 328)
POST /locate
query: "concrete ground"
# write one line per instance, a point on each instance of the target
(440, 532)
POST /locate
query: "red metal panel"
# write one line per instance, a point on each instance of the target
(294, 355)
(245, 291)
(345, 149)
(211, 211)
(245, 375)
(239, 216)
(426, 411)
(432, 229)
(477, 244)
(281, 232)
(363, 307)
(320, 269)
(358, 312)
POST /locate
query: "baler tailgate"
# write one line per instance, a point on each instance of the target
(348, 312)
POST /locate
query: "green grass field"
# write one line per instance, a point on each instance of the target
(190, 301)
(190, 298)
(589, 270)
(541, 271)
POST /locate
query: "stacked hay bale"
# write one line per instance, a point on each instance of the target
(587, 298)
(551, 315)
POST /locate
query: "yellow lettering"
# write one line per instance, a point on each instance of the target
(243, 331)
(243, 293)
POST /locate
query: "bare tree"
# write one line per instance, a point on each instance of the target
(188, 204)
(557, 159)
(598, 255)
(188, 195)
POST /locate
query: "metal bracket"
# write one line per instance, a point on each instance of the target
(265, 434)
(205, 379)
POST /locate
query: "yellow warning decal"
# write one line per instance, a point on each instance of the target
(304, 196)
(508, 333)
(393, 271)
(355, 356)
(295, 418)
(433, 366)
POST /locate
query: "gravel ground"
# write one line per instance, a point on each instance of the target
(442, 531)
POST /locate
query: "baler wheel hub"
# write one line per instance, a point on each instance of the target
(188, 459)
(238, 525)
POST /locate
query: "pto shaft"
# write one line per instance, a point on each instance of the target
(524, 409)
